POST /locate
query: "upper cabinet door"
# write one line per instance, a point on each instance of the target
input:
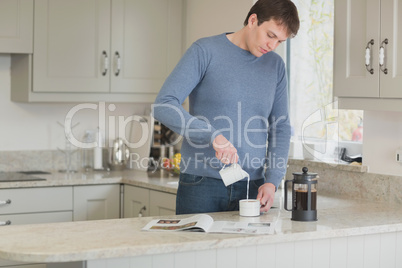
(16, 26)
(71, 46)
(357, 22)
(146, 43)
(391, 31)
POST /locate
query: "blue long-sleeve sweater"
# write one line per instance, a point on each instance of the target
(233, 93)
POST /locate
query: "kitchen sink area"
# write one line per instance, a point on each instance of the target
(22, 176)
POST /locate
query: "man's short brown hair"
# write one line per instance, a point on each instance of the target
(284, 12)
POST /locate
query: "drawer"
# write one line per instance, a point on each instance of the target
(31, 200)
(32, 218)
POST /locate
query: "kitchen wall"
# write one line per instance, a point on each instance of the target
(30, 127)
(211, 17)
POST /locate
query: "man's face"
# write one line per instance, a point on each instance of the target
(265, 37)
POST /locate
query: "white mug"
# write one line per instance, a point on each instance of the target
(249, 207)
(232, 174)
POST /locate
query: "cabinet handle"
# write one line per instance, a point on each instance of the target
(382, 56)
(105, 63)
(118, 63)
(368, 56)
(4, 223)
(142, 211)
(2, 202)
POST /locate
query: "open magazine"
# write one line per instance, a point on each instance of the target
(205, 223)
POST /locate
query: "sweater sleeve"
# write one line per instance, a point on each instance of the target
(279, 133)
(168, 108)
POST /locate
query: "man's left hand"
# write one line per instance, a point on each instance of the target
(266, 194)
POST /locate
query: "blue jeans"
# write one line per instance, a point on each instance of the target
(198, 194)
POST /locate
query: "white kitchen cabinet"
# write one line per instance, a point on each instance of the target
(147, 38)
(16, 26)
(147, 202)
(70, 38)
(162, 203)
(136, 201)
(120, 50)
(34, 205)
(363, 30)
(96, 202)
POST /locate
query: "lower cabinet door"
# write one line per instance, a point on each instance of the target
(162, 203)
(136, 202)
(147, 202)
(96, 202)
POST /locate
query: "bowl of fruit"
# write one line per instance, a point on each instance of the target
(173, 164)
(176, 163)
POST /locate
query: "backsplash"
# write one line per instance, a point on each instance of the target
(351, 182)
(37, 160)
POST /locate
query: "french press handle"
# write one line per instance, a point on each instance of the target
(286, 195)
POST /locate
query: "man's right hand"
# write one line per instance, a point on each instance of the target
(224, 150)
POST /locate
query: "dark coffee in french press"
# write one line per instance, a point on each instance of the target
(301, 200)
(304, 196)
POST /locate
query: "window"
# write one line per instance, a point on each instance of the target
(316, 121)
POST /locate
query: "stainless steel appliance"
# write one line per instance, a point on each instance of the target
(119, 155)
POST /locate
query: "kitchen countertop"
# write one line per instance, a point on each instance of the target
(160, 180)
(89, 240)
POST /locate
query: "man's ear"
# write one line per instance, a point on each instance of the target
(252, 20)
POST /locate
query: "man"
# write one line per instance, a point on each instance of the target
(237, 89)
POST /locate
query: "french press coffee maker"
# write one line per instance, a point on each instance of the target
(304, 196)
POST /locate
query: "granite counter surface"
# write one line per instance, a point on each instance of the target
(160, 180)
(78, 241)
